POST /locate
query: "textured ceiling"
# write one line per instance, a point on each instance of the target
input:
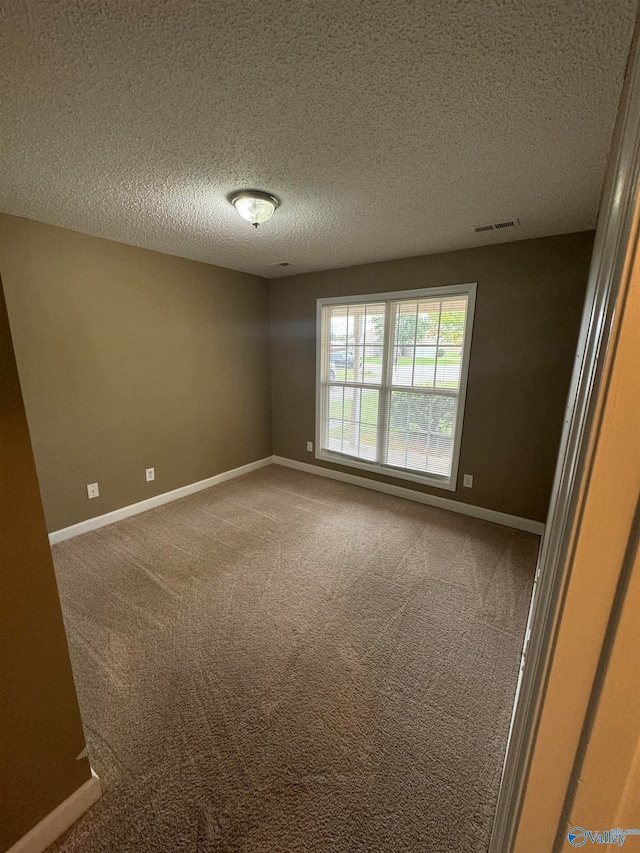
(388, 128)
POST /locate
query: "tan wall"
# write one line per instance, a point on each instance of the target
(528, 309)
(609, 794)
(40, 729)
(132, 359)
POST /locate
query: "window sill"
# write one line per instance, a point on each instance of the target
(445, 483)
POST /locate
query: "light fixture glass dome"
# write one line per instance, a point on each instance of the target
(254, 205)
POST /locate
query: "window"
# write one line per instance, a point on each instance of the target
(392, 372)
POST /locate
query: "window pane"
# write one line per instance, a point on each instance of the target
(440, 453)
(364, 344)
(368, 446)
(374, 326)
(424, 370)
(415, 342)
(416, 322)
(452, 321)
(334, 436)
(421, 432)
(406, 323)
(335, 410)
(402, 373)
(334, 342)
(340, 365)
(448, 367)
(372, 365)
(428, 321)
(339, 328)
(427, 342)
(352, 421)
(397, 448)
(352, 345)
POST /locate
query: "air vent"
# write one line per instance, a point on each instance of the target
(507, 223)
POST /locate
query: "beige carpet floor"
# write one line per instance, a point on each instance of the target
(288, 663)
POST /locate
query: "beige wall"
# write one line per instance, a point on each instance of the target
(529, 303)
(40, 731)
(132, 359)
(609, 791)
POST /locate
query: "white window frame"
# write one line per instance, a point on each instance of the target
(438, 481)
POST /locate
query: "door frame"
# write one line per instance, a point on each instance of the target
(595, 344)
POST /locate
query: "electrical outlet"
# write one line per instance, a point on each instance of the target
(467, 481)
(93, 491)
(310, 446)
(150, 474)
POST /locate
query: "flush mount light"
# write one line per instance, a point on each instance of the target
(254, 205)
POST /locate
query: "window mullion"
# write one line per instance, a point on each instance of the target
(435, 361)
(384, 405)
(415, 344)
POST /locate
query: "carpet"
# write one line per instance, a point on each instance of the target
(289, 663)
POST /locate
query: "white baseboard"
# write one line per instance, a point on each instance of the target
(60, 819)
(98, 521)
(150, 503)
(493, 515)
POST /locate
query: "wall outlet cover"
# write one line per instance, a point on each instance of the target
(310, 446)
(93, 491)
(150, 474)
(467, 481)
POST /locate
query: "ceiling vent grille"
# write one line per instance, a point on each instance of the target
(496, 226)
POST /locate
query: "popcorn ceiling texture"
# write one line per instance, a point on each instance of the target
(388, 129)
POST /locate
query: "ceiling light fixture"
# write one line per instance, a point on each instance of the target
(255, 206)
